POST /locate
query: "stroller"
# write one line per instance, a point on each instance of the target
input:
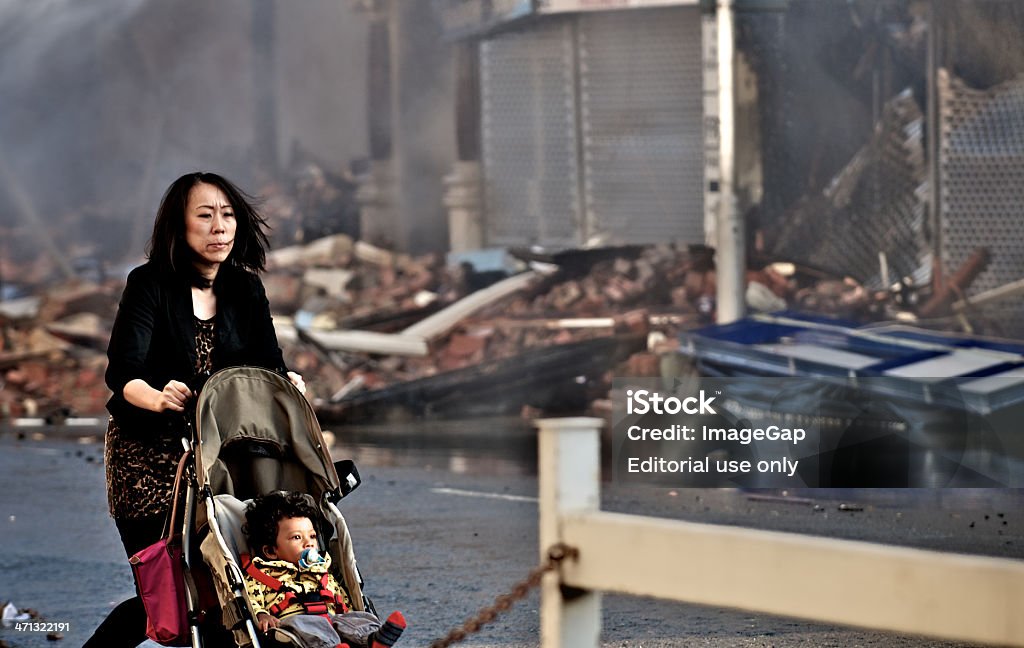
(254, 433)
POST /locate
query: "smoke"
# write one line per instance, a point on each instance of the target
(43, 35)
(106, 102)
(48, 80)
(47, 75)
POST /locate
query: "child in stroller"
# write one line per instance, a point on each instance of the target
(256, 434)
(290, 585)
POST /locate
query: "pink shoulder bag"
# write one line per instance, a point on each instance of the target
(159, 575)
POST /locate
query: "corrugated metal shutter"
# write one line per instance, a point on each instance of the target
(529, 143)
(642, 123)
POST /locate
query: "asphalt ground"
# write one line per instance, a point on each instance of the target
(442, 538)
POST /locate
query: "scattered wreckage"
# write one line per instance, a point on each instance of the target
(383, 335)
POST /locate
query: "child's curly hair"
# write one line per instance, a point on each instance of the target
(265, 511)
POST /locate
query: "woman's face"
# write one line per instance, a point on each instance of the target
(209, 226)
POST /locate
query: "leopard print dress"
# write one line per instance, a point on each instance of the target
(140, 468)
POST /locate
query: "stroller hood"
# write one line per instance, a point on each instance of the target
(257, 433)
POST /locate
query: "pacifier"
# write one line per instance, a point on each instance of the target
(309, 557)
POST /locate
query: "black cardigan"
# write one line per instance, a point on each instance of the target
(154, 336)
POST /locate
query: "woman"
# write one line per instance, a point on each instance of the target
(195, 307)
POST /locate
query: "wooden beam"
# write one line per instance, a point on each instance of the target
(913, 591)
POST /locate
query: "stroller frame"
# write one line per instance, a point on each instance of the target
(254, 433)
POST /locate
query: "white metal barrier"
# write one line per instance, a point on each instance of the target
(912, 591)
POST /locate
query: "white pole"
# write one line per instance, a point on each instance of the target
(731, 250)
(570, 474)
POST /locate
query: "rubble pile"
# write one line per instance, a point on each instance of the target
(52, 347)
(52, 350)
(660, 289)
(337, 282)
(322, 278)
(571, 303)
(583, 295)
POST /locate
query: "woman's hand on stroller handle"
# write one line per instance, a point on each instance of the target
(172, 397)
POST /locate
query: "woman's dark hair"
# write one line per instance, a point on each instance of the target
(265, 511)
(167, 248)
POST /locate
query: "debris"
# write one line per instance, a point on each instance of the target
(10, 615)
(778, 499)
(331, 280)
(373, 254)
(22, 308)
(543, 378)
(356, 318)
(872, 205)
(761, 298)
(956, 285)
(325, 251)
(1005, 291)
(443, 321)
(85, 329)
(370, 342)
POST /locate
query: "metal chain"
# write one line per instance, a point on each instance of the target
(556, 554)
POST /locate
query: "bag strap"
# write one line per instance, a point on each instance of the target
(172, 524)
